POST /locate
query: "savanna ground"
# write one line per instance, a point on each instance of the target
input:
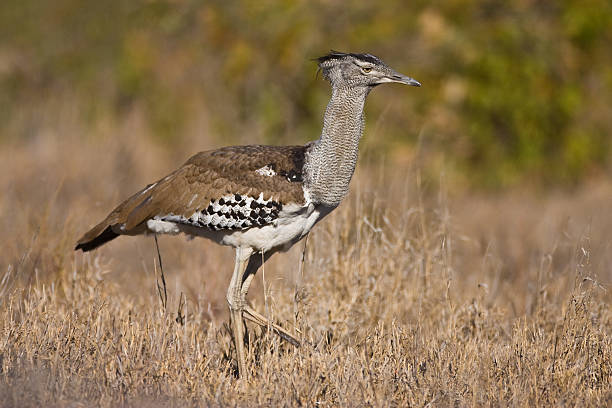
(410, 294)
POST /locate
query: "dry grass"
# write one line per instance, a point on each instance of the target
(405, 298)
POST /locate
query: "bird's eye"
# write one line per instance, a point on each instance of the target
(366, 70)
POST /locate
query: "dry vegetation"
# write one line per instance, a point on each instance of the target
(407, 296)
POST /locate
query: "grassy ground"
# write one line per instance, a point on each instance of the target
(408, 296)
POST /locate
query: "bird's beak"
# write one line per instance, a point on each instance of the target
(397, 77)
(403, 79)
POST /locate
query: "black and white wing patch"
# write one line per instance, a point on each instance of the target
(231, 212)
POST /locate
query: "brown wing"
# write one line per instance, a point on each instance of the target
(274, 171)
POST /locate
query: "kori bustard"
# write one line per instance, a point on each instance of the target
(259, 199)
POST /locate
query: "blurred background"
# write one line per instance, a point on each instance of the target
(514, 93)
(478, 222)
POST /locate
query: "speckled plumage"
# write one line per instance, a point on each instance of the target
(331, 161)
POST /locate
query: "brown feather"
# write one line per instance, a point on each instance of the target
(208, 176)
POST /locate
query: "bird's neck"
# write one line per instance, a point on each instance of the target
(331, 161)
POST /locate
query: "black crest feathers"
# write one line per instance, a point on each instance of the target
(339, 55)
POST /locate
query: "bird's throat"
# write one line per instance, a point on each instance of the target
(331, 162)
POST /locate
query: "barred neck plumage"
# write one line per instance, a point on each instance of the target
(330, 164)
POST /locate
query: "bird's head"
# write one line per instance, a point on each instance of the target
(349, 70)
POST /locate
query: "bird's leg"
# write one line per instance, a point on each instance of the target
(236, 305)
(254, 316)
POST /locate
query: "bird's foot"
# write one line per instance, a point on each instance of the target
(256, 317)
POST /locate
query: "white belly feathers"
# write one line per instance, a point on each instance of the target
(287, 229)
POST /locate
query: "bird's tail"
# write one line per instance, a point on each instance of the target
(98, 235)
(123, 220)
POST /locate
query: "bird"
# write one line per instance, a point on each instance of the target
(259, 199)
